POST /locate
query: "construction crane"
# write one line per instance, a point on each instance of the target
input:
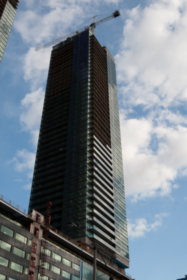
(113, 15)
(92, 27)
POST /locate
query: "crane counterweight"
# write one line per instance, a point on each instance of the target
(116, 14)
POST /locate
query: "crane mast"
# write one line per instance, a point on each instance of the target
(92, 27)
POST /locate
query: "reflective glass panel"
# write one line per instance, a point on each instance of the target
(7, 231)
(75, 277)
(56, 257)
(66, 274)
(44, 264)
(76, 267)
(21, 238)
(3, 261)
(17, 267)
(5, 246)
(55, 269)
(18, 252)
(47, 252)
(43, 277)
(66, 262)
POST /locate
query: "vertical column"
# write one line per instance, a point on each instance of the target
(37, 231)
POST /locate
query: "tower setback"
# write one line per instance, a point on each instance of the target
(79, 161)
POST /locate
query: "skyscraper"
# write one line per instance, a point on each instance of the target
(7, 14)
(79, 163)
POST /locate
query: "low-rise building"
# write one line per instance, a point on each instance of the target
(31, 249)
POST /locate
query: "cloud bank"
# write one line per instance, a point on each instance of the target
(31, 108)
(153, 92)
(152, 59)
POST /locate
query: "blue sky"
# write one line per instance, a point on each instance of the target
(149, 44)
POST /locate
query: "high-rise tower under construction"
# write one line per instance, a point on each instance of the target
(79, 161)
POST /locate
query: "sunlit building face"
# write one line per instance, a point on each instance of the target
(7, 15)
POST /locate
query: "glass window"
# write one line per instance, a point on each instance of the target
(21, 238)
(2, 277)
(76, 266)
(66, 262)
(7, 231)
(18, 252)
(44, 264)
(29, 242)
(3, 261)
(43, 277)
(47, 252)
(66, 274)
(5, 246)
(75, 277)
(10, 278)
(17, 267)
(55, 269)
(56, 257)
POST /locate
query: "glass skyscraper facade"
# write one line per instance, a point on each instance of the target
(7, 15)
(79, 161)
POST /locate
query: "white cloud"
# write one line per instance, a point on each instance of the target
(174, 149)
(166, 116)
(36, 64)
(53, 3)
(51, 20)
(27, 187)
(24, 161)
(43, 24)
(30, 116)
(29, 3)
(141, 226)
(153, 86)
(152, 61)
(154, 156)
